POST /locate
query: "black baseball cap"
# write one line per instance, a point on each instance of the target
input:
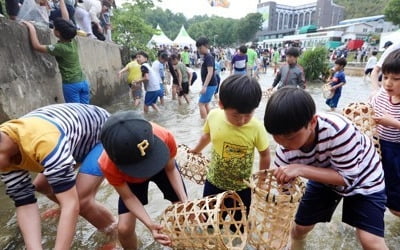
(387, 44)
(131, 145)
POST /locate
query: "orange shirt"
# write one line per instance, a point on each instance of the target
(116, 177)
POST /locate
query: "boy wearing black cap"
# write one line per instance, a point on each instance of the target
(75, 85)
(137, 152)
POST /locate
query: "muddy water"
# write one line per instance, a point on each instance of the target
(185, 124)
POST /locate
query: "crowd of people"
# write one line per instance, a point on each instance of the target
(91, 17)
(339, 161)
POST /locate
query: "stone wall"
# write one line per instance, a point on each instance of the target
(29, 79)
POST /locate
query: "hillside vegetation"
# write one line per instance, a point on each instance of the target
(362, 8)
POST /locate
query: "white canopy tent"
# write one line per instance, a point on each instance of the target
(183, 39)
(159, 39)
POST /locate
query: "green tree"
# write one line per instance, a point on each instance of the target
(248, 26)
(362, 8)
(129, 29)
(315, 63)
(392, 10)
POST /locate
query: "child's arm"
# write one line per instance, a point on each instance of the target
(387, 120)
(34, 39)
(136, 208)
(265, 159)
(29, 223)
(204, 141)
(175, 179)
(277, 79)
(338, 85)
(69, 203)
(286, 173)
(64, 11)
(122, 71)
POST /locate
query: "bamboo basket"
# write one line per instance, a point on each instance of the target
(207, 223)
(361, 115)
(272, 210)
(192, 166)
(327, 93)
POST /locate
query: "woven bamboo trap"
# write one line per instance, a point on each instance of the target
(192, 166)
(327, 92)
(272, 210)
(208, 223)
(361, 115)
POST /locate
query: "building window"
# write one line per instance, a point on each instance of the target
(365, 30)
(378, 30)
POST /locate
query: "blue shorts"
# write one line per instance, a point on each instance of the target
(161, 91)
(90, 165)
(391, 167)
(151, 97)
(141, 190)
(206, 97)
(365, 212)
(77, 92)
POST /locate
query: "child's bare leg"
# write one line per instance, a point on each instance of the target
(370, 241)
(98, 215)
(155, 107)
(126, 231)
(186, 98)
(298, 236)
(42, 186)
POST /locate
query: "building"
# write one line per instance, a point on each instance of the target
(281, 20)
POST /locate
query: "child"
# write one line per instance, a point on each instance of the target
(291, 73)
(275, 59)
(207, 77)
(183, 78)
(337, 159)
(338, 80)
(151, 81)
(234, 133)
(50, 141)
(75, 85)
(137, 152)
(370, 64)
(387, 109)
(134, 75)
(159, 67)
(239, 61)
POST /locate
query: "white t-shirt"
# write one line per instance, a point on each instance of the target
(389, 50)
(371, 62)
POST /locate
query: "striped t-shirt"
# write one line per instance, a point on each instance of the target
(382, 104)
(51, 140)
(340, 146)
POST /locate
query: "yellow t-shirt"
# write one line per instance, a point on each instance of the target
(232, 153)
(134, 72)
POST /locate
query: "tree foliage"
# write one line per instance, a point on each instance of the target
(392, 11)
(314, 62)
(362, 8)
(248, 26)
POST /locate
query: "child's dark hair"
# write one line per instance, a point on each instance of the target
(142, 53)
(174, 56)
(288, 110)
(293, 51)
(133, 55)
(374, 53)
(162, 54)
(66, 29)
(240, 92)
(341, 61)
(392, 63)
(202, 41)
(243, 49)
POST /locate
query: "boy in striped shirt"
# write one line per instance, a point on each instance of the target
(50, 141)
(387, 109)
(337, 159)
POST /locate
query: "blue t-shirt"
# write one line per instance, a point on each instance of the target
(338, 77)
(239, 62)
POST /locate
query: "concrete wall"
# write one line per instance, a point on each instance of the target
(29, 79)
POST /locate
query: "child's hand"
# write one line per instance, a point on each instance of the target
(387, 120)
(163, 239)
(287, 173)
(192, 151)
(28, 24)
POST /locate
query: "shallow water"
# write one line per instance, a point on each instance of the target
(185, 123)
